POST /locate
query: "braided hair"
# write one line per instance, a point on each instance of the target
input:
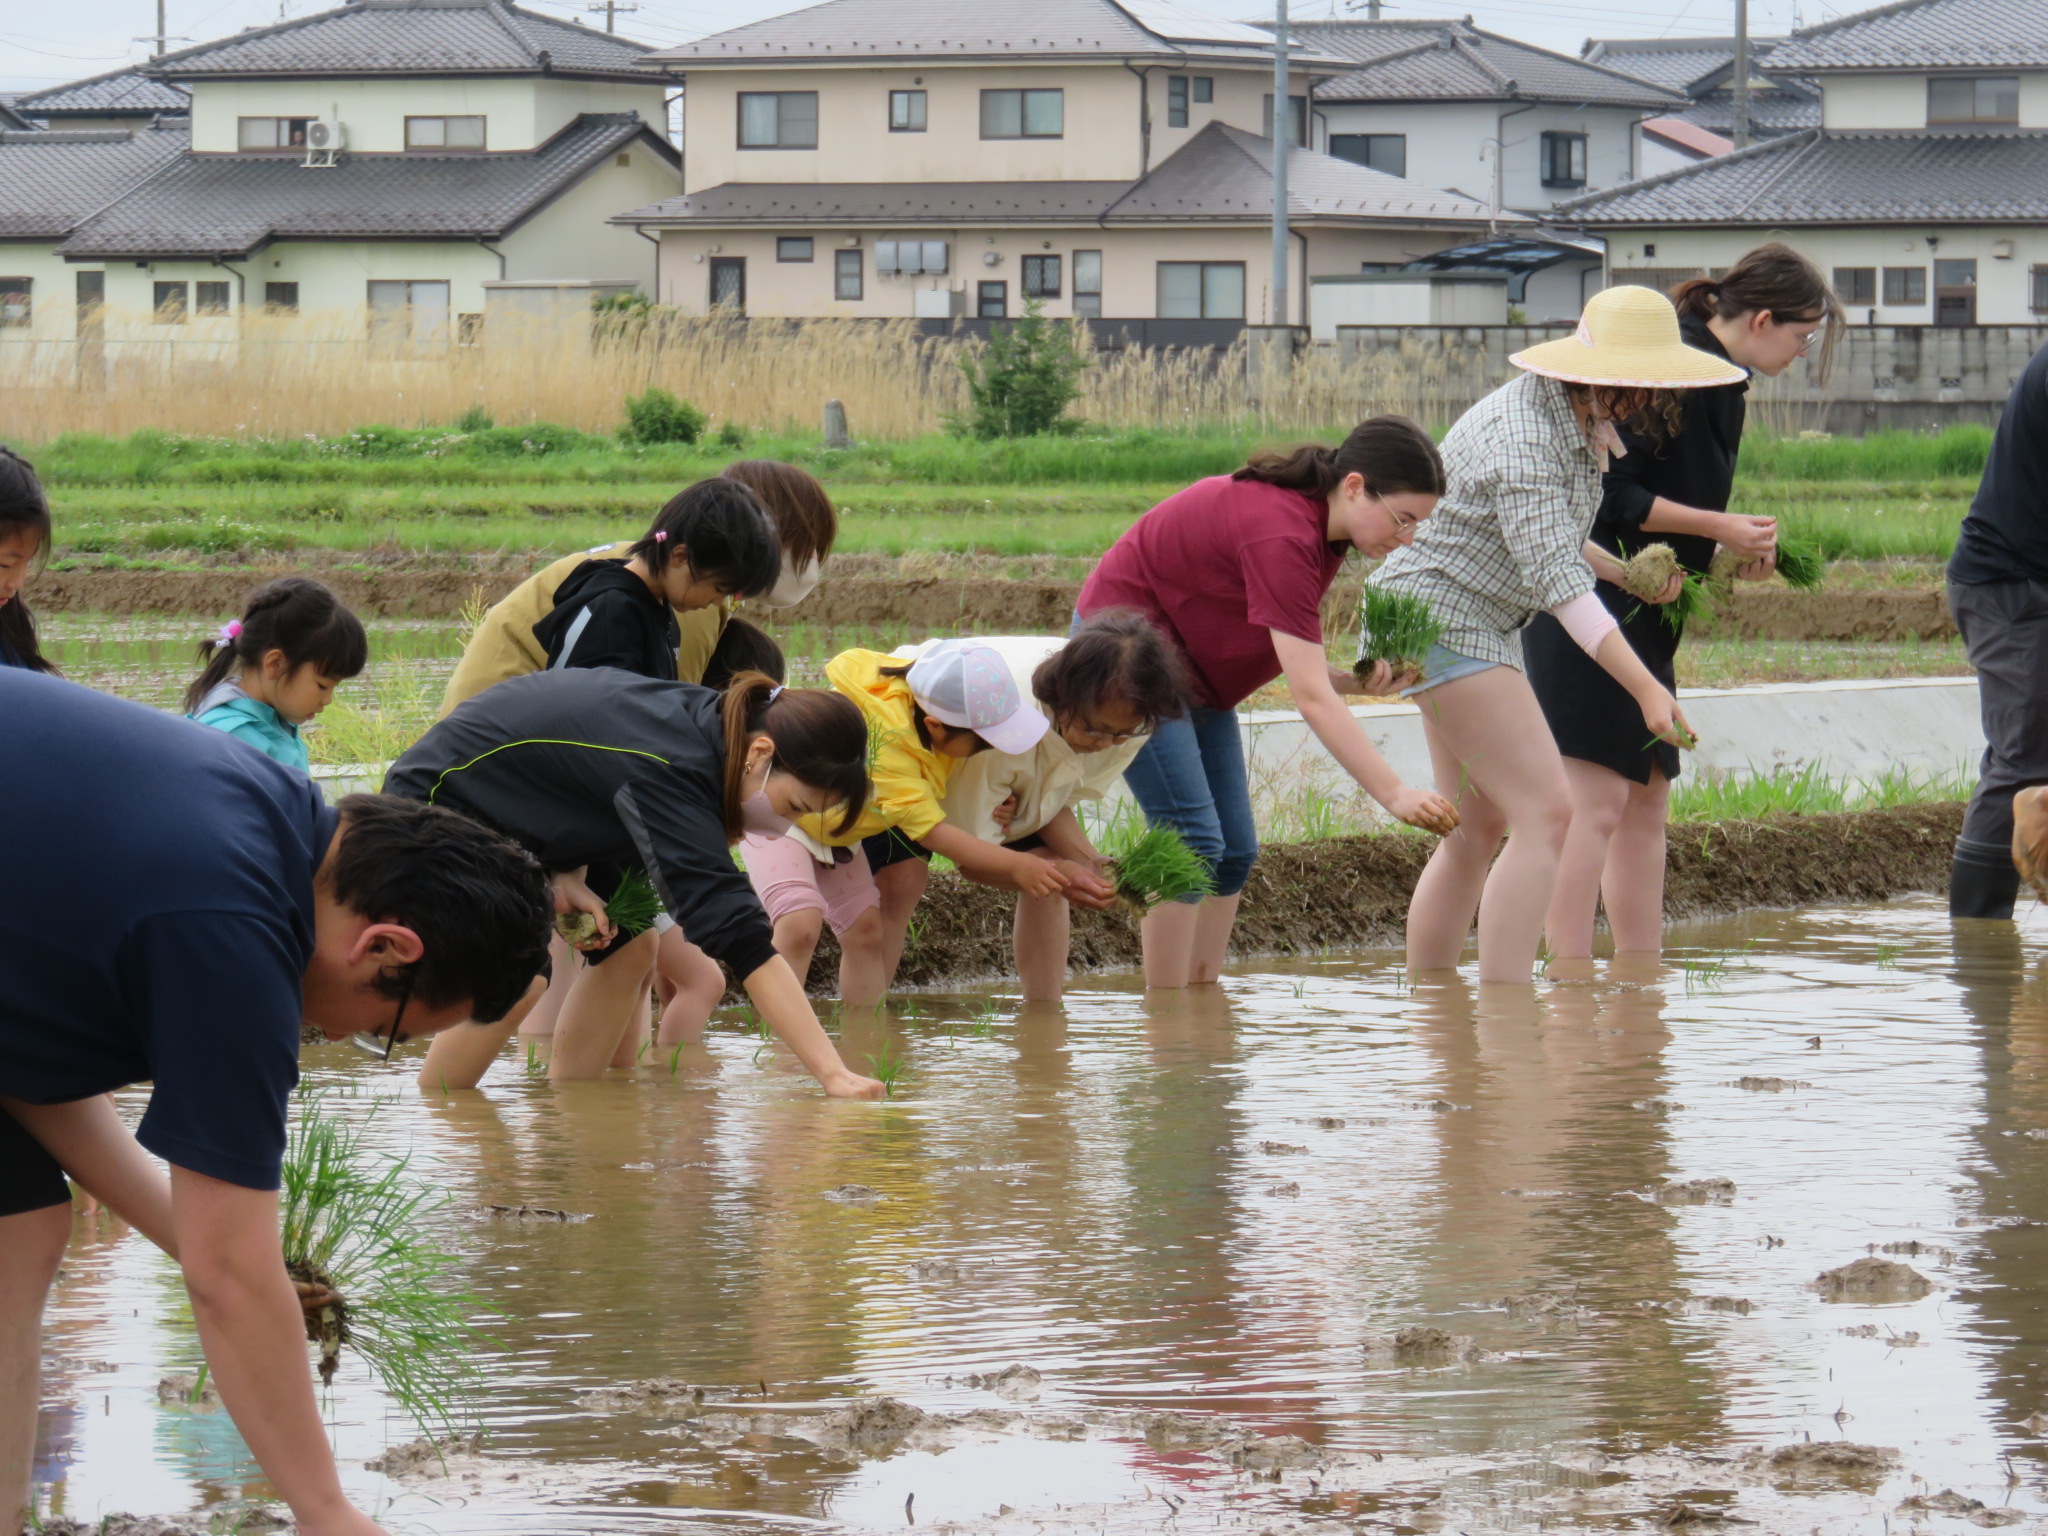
(24, 516)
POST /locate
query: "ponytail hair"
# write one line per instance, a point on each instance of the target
(721, 529)
(1390, 453)
(1774, 278)
(24, 512)
(821, 739)
(296, 615)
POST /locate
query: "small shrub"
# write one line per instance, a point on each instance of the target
(732, 435)
(659, 417)
(1022, 382)
(534, 440)
(475, 419)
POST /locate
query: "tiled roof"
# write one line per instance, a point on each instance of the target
(119, 92)
(1672, 62)
(1220, 176)
(52, 180)
(1922, 34)
(1820, 177)
(1687, 135)
(410, 37)
(1456, 61)
(977, 29)
(13, 121)
(1770, 112)
(225, 205)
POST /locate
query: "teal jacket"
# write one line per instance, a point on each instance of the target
(227, 708)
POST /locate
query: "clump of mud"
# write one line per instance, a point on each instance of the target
(1170, 1430)
(1015, 1383)
(1769, 1084)
(1545, 1306)
(254, 1519)
(1280, 1148)
(855, 1194)
(1694, 1192)
(935, 1269)
(1287, 1191)
(1958, 1507)
(424, 1455)
(1658, 1106)
(1276, 1453)
(1327, 1123)
(532, 1213)
(657, 1394)
(1872, 1331)
(1831, 1458)
(1742, 1306)
(1423, 1347)
(1873, 1280)
(186, 1392)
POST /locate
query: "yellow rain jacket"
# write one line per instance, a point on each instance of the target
(909, 781)
(503, 645)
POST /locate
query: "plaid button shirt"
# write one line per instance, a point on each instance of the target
(1506, 542)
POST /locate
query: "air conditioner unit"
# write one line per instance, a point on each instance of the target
(325, 138)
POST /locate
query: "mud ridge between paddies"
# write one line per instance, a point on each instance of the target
(978, 604)
(1352, 892)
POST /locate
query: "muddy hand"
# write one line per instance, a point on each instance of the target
(851, 1085)
(314, 1296)
(1424, 808)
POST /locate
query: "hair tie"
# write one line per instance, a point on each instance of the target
(774, 693)
(662, 537)
(230, 632)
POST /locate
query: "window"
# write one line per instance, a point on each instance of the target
(793, 248)
(1201, 290)
(14, 300)
(273, 132)
(405, 310)
(1564, 159)
(1176, 101)
(212, 300)
(778, 119)
(846, 275)
(729, 283)
(170, 302)
(1088, 285)
(991, 300)
(280, 298)
(1205, 90)
(1990, 99)
(1905, 285)
(2037, 290)
(910, 256)
(1041, 277)
(1856, 285)
(1300, 115)
(1386, 152)
(1023, 114)
(444, 133)
(906, 111)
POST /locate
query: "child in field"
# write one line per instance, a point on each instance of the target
(276, 667)
(1104, 690)
(924, 717)
(24, 546)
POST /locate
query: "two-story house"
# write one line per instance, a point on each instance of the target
(1703, 69)
(1107, 158)
(389, 158)
(1924, 189)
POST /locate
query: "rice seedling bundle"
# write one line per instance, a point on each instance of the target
(351, 1222)
(1649, 570)
(1395, 627)
(634, 905)
(1155, 864)
(1801, 563)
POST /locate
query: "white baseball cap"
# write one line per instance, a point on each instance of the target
(968, 686)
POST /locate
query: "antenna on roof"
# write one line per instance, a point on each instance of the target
(611, 8)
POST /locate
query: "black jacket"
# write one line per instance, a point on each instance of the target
(605, 616)
(2005, 535)
(604, 768)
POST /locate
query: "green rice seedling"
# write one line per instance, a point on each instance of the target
(634, 905)
(985, 1020)
(888, 1069)
(675, 1058)
(1888, 956)
(1156, 865)
(1395, 627)
(1800, 562)
(355, 1227)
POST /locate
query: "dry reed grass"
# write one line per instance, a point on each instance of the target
(322, 374)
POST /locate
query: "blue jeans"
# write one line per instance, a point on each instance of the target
(1190, 776)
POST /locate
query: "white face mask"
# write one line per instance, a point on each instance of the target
(757, 815)
(794, 585)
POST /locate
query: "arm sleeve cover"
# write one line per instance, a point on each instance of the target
(1586, 619)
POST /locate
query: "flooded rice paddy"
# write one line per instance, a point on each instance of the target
(1316, 1252)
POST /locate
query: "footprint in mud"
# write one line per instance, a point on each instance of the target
(855, 1194)
(1873, 1280)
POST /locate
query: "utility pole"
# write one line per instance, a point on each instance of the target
(1741, 81)
(610, 9)
(1283, 131)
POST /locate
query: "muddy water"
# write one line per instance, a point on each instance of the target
(1213, 1208)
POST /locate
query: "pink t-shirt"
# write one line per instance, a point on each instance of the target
(1217, 566)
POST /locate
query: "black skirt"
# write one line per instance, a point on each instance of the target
(1590, 714)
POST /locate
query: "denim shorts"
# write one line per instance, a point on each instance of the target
(1444, 665)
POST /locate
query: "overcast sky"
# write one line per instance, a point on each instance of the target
(40, 47)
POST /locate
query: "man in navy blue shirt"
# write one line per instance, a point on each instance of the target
(1998, 592)
(175, 905)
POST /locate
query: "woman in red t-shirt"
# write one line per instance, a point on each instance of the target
(1233, 570)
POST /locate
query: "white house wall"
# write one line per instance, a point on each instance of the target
(1450, 144)
(520, 113)
(569, 238)
(1874, 101)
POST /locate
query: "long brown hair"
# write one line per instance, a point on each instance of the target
(1774, 278)
(803, 515)
(1390, 453)
(1653, 413)
(821, 739)
(24, 511)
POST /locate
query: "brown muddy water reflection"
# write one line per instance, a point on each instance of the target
(1214, 1206)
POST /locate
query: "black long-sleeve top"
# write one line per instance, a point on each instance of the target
(605, 616)
(2005, 535)
(601, 767)
(1695, 467)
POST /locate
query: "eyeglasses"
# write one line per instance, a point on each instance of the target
(1101, 733)
(369, 1044)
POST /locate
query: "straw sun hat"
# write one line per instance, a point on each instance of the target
(1628, 337)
